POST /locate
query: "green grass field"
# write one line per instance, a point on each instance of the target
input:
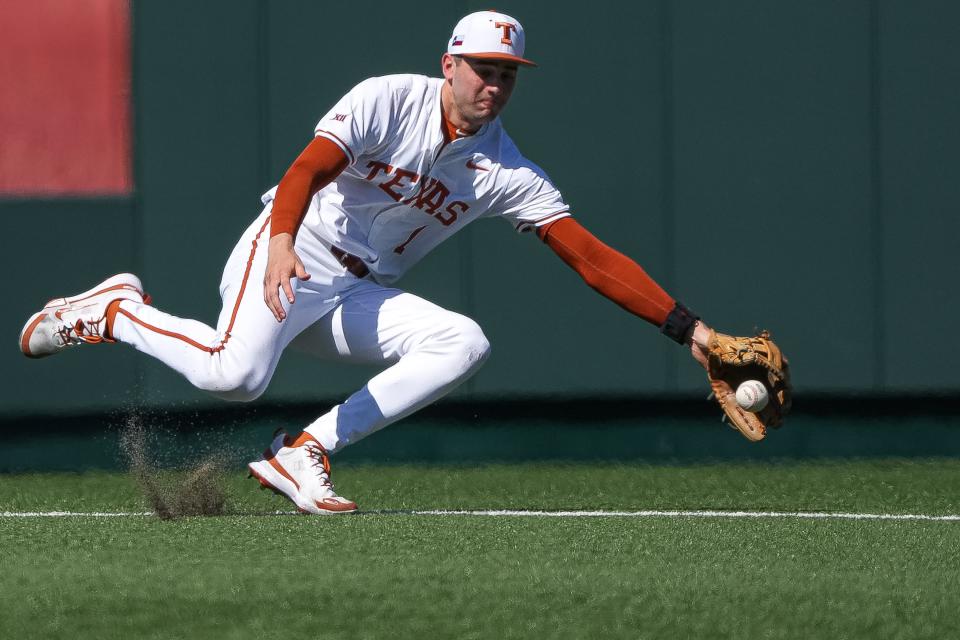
(391, 573)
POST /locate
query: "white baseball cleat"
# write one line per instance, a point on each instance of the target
(299, 468)
(65, 322)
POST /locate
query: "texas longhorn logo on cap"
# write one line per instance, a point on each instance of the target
(506, 26)
(489, 35)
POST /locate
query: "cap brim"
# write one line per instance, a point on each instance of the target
(499, 56)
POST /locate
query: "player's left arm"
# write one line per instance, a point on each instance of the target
(625, 282)
(729, 360)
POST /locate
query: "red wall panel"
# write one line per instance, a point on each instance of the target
(65, 97)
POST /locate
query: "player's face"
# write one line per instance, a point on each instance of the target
(480, 88)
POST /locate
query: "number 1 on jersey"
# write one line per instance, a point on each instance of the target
(400, 248)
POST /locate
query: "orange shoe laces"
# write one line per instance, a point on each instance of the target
(320, 459)
(81, 331)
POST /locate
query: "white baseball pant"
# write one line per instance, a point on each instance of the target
(336, 315)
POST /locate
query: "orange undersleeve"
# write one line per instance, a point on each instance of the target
(319, 164)
(608, 271)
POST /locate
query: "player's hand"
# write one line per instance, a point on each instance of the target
(700, 343)
(283, 263)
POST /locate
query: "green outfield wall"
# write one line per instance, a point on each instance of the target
(789, 165)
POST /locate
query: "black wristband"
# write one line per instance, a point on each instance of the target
(679, 324)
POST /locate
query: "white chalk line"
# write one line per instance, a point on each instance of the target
(800, 515)
(701, 514)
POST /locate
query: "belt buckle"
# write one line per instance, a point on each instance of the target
(341, 255)
(350, 262)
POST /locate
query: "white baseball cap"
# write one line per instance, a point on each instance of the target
(489, 35)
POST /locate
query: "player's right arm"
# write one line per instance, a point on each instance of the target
(319, 165)
(359, 121)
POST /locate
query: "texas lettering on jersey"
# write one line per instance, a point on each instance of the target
(429, 198)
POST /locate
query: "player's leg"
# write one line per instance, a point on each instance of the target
(431, 351)
(232, 360)
(236, 359)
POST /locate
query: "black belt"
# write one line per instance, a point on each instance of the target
(352, 263)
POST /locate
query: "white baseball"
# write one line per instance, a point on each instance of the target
(752, 396)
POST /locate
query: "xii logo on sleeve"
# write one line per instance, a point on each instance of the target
(340, 117)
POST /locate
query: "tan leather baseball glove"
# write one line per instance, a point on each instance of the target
(732, 360)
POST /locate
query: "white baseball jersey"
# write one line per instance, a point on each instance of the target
(406, 189)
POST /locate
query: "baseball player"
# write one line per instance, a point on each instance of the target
(397, 166)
